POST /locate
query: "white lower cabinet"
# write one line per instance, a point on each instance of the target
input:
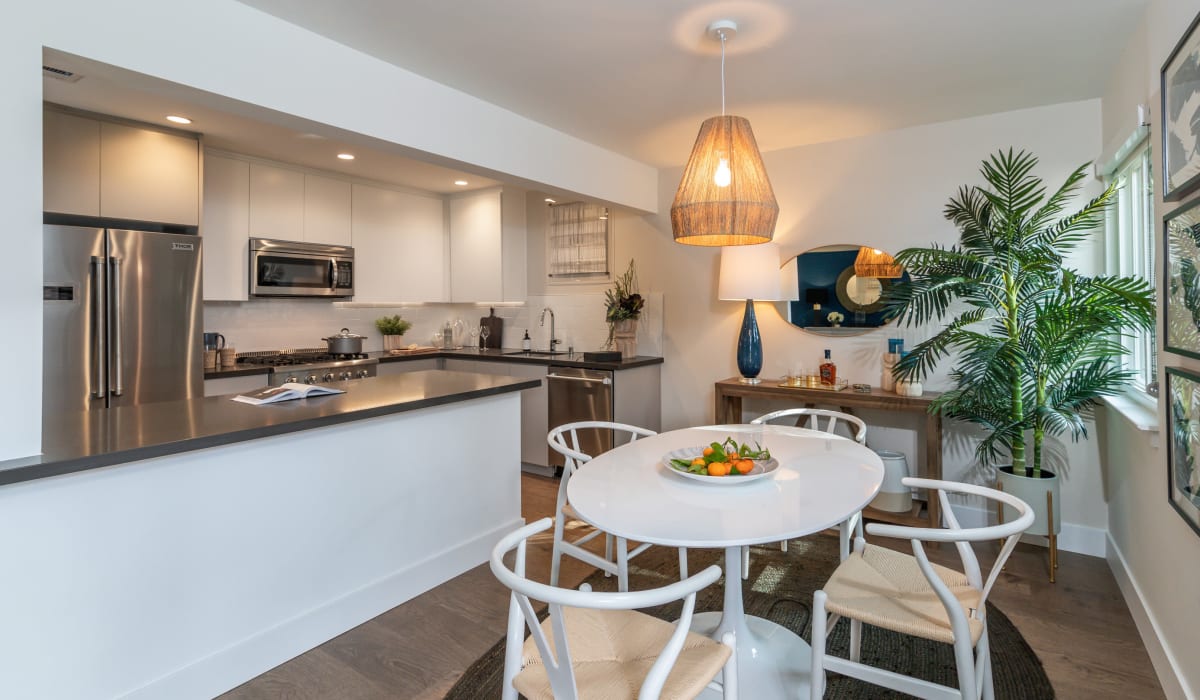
(534, 418)
(457, 365)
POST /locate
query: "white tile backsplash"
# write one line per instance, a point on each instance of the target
(276, 324)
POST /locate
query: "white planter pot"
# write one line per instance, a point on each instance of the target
(1033, 491)
(394, 342)
(893, 495)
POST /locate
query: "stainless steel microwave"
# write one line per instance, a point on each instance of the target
(291, 269)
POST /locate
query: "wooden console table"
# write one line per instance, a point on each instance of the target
(730, 392)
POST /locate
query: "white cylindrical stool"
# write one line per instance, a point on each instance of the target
(893, 496)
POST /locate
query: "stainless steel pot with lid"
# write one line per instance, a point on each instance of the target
(345, 343)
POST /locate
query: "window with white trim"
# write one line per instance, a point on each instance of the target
(1130, 230)
(577, 242)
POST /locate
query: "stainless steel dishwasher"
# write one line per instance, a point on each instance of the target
(576, 395)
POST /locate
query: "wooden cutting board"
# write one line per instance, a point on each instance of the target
(413, 351)
(496, 324)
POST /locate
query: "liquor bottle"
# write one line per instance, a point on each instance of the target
(526, 343)
(828, 371)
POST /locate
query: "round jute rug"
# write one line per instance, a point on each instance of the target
(780, 589)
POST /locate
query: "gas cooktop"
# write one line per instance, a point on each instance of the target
(311, 366)
(287, 359)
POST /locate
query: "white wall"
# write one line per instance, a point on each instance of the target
(1153, 552)
(885, 190)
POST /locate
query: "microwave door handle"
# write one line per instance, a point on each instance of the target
(98, 328)
(333, 276)
(114, 298)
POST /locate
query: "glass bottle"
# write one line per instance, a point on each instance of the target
(828, 370)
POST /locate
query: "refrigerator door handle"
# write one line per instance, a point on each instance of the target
(98, 328)
(333, 273)
(114, 299)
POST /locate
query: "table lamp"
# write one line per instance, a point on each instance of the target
(816, 297)
(747, 273)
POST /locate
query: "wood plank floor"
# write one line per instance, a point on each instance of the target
(1079, 627)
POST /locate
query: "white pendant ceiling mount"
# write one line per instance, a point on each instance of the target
(724, 197)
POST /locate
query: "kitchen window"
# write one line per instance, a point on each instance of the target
(577, 242)
(1130, 232)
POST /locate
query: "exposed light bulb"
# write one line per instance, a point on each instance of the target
(723, 176)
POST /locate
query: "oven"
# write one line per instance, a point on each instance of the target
(292, 269)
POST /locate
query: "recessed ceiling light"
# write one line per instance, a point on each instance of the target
(178, 120)
(550, 201)
(346, 156)
(461, 183)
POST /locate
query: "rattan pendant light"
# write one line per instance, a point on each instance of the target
(724, 197)
(873, 262)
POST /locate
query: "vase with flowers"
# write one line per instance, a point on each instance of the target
(835, 318)
(623, 308)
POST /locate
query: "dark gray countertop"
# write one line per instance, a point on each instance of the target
(78, 441)
(493, 355)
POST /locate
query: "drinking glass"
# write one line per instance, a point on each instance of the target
(475, 337)
(484, 333)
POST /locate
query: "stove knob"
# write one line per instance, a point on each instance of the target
(328, 377)
(363, 374)
(346, 375)
(310, 379)
(291, 378)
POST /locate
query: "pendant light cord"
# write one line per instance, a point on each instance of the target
(722, 73)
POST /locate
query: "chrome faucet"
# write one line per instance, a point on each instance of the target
(553, 340)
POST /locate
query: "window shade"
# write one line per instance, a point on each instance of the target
(577, 241)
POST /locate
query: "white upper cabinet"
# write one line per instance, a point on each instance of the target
(99, 168)
(327, 210)
(399, 246)
(70, 164)
(276, 202)
(149, 175)
(226, 228)
(487, 246)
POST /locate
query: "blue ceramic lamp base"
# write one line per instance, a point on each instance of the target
(749, 349)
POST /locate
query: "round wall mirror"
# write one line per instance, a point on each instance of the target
(824, 284)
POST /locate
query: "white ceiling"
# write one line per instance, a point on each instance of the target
(638, 76)
(235, 126)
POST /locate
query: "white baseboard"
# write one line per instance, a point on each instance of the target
(1080, 539)
(1166, 666)
(226, 669)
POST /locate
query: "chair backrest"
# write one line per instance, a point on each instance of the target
(555, 653)
(858, 431)
(565, 440)
(962, 538)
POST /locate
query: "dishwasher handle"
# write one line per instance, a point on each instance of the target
(588, 380)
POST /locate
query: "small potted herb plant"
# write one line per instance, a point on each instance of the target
(393, 329)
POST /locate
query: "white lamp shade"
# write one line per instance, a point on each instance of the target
(750, 272)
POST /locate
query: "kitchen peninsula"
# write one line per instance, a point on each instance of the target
(281, 526)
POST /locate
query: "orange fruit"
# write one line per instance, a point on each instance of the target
(708, 451)
(745, 465)
(698, 460)
(718, 469)
(732, 456)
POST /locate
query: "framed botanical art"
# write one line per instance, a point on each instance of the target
(1180, 83)
(1181, 280)
(1183, 444)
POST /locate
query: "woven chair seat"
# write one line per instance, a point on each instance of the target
(886, 588)
(613, 650)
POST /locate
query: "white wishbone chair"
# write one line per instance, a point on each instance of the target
(859, 431)
(596, 645)
(911, 595)
(565, 440)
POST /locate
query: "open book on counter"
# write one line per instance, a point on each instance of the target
(285, 392)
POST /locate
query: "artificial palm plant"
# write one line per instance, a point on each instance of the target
(1034, 343)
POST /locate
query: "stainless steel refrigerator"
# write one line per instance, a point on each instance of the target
(121, 318)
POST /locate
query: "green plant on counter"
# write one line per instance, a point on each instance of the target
(622, 302)
(392, 325)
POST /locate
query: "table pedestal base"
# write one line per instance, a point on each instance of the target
(772, 661)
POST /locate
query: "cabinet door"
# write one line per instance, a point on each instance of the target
(326, 210)
(386, 369)
(399, 246)
(226, 228)
(149, 175)
(456, 365)
(276, 203)
(534, 415)
(70, 164)
(234, 385)
(475, 248)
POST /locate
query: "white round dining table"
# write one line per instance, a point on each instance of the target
(821, 480)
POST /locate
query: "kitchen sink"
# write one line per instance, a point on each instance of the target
(536, 353)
